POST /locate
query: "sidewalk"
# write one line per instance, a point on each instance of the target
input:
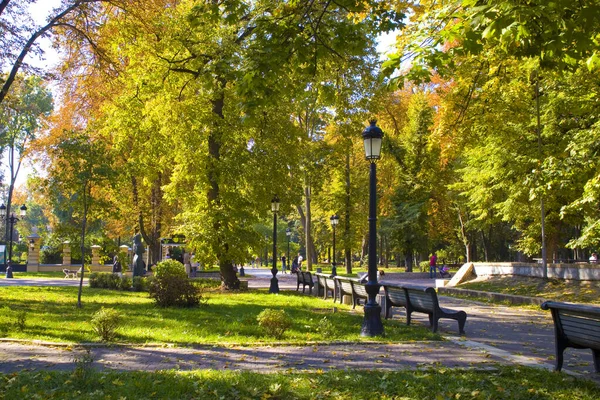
(494, 334)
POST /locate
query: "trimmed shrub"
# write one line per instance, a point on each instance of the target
(140, 284)
(94, 280)
(171, 286)
(105, 322)
(274, 322)
(125, 283)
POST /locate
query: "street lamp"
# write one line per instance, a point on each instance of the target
(372, 325)
(11, 221)
(288, 233)
(334, 221)
(274, 288)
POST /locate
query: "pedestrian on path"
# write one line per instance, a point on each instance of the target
(432, 265)
(300, 261)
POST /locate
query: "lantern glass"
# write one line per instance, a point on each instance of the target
(2, 210)
(23, 210)
(275, 204)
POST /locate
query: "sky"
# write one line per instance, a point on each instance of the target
(42, 9)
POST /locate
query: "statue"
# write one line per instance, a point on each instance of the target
(138, 250)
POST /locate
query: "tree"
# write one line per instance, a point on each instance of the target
(22, 116)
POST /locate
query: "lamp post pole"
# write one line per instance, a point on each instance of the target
(288, 233)
(372, 325)
(11, 221)
(334, 221)
(274, 287)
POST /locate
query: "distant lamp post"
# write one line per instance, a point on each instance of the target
(288, 233)
(274, 288)
(11, 221)
(372, 325)
(334, 221)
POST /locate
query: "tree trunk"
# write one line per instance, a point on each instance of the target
(408, 260)
(348, 206)
(220, 247)
(464, 237)
(83, 227)
(309, 253)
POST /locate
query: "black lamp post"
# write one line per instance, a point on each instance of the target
(274, 288)
(288, 233)
(334, 221)
(11, 221)
(372, 326)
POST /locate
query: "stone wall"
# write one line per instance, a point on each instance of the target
(577, 272)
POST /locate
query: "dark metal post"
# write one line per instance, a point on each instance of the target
(288, 234)
(372, 325)
(274, 288)
(333, 267)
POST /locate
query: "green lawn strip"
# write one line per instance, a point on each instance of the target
(37, 275)
(501, 383)
(227, 318)
(551, 289)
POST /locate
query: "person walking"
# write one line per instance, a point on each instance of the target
(432, 265)
(300, 261)
(283, 265)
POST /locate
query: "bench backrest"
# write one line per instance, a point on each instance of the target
(326, 281)
(580, 324)
(344, 284)
(359, 289)
(424, 300)
(307, 277)
(396, 295)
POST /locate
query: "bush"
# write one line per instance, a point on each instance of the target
(274, 322)
(171, 286)
(140, 284)
(94, 280)
(326, 328)
(424, 266)
(106, 322)
(125, 283)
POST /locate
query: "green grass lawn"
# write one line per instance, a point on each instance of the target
(514, 383)
(37, 275)
(226, 318)
(551, 289)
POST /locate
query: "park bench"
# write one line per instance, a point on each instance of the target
(351, 287)
(395, 296)
(360, 292)
(576, 326)
(328, 285)
(426, 301)
(304, 279)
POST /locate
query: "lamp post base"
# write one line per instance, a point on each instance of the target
(274, 288)
(372, 325)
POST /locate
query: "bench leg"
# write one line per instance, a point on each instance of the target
(298, 286)
(560, 349)
(303, 288)
(354, 300)
(408, 315)
(462, 319)
(434, 323)
(388, 307)
(596, 355)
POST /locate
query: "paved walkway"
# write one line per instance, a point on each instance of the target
(494, 334)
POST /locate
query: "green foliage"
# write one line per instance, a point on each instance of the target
(169, 268)
(106, 280)
(274, 322)
(106, 322)
(326, 328)
(171, 286)
(499, 382)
